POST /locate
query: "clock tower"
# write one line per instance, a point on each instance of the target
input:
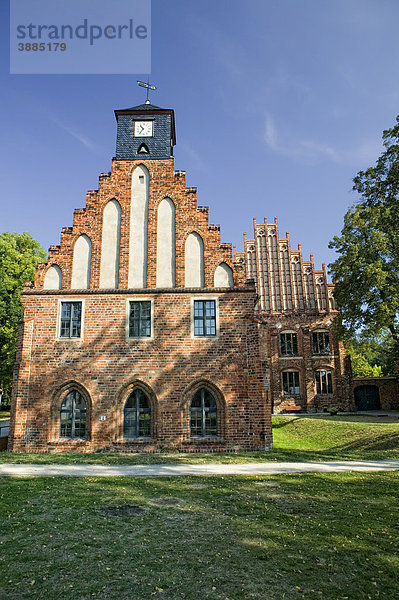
(145, 131)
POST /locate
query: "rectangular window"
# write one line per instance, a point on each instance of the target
(324, 382)
(288, 344)
(204, 317)
(321, 342)
(71, 319)
(140, 318)
(291, 383)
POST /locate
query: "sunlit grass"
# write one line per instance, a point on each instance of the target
(323, 536)
(310, 438)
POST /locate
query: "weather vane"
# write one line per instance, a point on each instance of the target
(148, 87)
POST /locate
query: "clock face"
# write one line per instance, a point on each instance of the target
(143, 128)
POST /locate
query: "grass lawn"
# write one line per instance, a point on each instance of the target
(315, 536)
(314, 438)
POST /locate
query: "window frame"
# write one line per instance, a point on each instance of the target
(204, 434)
(127, 326)
(65, 300)
(288, 393)
(137, 410)
(73, 412)
(319, 352)
(330, 386)
(202, 298)
(291, 333)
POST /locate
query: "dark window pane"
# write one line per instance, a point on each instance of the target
(137, 415)
(210, 308)
(196, 422)
(209, 400)
(291, 382)
(289, 344)
(199, 327)
(66, 423)
(198, 308)
(144, 424)
(211, 423)
(73, 416)
(203, 414)
(140, 319)
(66, 309)
(71, 317)
(143, 400)
(324, 382)
(196, 401)
(130, 423)
(204, 317)
(321, 342)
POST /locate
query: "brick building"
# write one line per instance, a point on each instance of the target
(138, 333)
(143, 332)
(305, 367)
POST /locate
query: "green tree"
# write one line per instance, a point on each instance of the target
(361, 367)
(366, 274)
(19, 255)
(377, 350)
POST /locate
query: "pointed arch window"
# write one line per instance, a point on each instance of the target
(137, 415)
(73, 416)
(203, 414)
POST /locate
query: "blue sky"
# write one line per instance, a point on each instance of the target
(278, 104)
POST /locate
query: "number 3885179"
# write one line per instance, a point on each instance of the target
(42, 47)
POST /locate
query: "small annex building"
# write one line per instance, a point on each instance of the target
(145, 332)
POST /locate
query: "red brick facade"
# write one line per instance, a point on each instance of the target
(104, 365)
(240, 364)
(384, 393)
(295, 298)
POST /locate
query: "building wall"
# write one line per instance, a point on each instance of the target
(388, 388)
(105, 366)
(153, 242)
(294, 296)
(306, 363)
(164, 183)
(169, 367)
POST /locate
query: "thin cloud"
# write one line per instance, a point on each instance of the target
(364, 153)
(304, 150)
(85, 141)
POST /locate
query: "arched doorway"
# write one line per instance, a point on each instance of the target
(367, 397)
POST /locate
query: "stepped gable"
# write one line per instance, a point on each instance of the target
(285, 282)
(164, 182)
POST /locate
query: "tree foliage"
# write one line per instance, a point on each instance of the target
(19, 255)
(366, 274)
(361, 366)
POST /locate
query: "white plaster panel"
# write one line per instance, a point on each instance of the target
(109, 267)
(194, 261)
(137, 277)
(81, 263)
(166, 252)
(223, 276)
(53, 278)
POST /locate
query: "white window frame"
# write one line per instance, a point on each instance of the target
(204, 299)
(82, 321)
(139, 299)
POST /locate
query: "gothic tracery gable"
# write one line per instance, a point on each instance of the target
(285, 282)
